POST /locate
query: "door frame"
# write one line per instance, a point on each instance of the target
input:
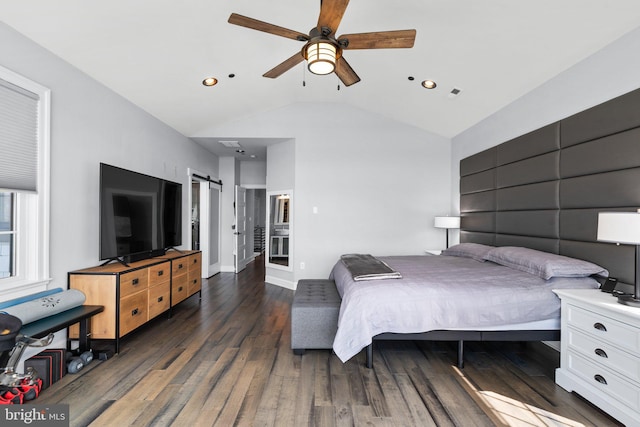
(268, 264)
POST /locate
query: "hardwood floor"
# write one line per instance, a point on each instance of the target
(227, 361)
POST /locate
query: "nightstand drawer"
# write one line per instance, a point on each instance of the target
(602, 353)
(604, 328)
(604, 380)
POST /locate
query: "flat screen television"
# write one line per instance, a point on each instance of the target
(140, 215)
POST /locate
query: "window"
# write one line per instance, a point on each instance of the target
(24, 184)
(7, 235)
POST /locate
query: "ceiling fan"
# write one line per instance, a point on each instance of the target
(322, 50)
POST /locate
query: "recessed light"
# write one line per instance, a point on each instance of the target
(210, 81)
(429, 84)
(240, 151)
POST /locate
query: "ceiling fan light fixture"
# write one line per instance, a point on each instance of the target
(321, 57)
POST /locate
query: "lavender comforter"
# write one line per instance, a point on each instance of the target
(441, 292)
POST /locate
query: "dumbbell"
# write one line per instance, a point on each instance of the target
(76, 363)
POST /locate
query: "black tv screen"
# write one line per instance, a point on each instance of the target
(172, 214)
(140, 215)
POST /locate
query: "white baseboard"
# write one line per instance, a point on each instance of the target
(280, 282)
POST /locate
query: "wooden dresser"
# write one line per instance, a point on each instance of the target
(186, 277)
(600, 352)
(132, 295)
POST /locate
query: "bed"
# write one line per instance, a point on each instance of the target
(470, 292)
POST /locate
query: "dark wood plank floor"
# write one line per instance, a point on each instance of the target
(227, 361)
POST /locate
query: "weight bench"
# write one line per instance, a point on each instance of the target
(81, 314)
(18, 387)
(314, 315)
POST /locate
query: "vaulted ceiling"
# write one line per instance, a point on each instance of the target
(157, 52)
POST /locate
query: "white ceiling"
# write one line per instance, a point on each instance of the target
(157, 52)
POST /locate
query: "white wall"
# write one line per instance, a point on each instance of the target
(377, 183)
(92, 124)
(611, 72)
(253, 173)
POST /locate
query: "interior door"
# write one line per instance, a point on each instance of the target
(240, 233)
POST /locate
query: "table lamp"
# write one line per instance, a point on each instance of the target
(623, 228)
(447, 222)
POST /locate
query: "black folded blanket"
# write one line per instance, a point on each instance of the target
(368, 267)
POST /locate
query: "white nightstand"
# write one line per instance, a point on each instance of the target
(600, 352)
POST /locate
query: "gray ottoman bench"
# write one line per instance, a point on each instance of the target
(314, 315)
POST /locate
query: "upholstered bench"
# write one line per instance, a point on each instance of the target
(314, 315)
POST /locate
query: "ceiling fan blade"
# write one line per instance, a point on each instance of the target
(380, 40)
(284, 66)
(254, 24)
(345, 73)
(331, 12)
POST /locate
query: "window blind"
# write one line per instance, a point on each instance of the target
(18, 138)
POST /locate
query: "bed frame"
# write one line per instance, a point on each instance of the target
(543, 190)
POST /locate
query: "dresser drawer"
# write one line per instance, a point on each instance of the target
(159, 299)
(134, 282)
(194, 263)
(133, 311)
(195, 284)
(180, 266)
(604, 380)
(605, 354)
(604, 328)
(159, 273)
(179, 289)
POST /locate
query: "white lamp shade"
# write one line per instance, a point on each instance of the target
(446, 222)
(619, 227)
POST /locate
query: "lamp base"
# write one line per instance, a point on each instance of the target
(630, 300)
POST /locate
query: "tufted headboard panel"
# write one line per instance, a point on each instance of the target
(543, 190)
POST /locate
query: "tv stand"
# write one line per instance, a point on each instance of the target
(133, 295)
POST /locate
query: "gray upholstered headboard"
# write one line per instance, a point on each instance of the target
(544, 190)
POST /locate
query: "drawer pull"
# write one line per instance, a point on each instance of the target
(195, 281)
(179, 266)
(180, 289)
(600, 379)
(135, 311)
(161, 272)
(600, 352)
(160, 299)
(195, 261)
(135, 281)
(599, 326)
